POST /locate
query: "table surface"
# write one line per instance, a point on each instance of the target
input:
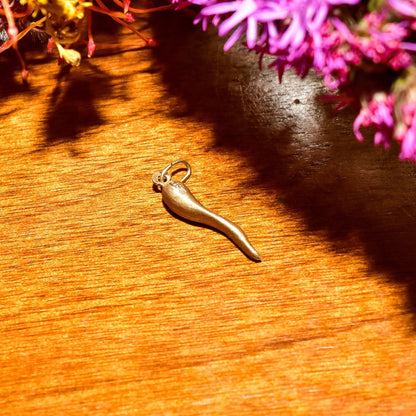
(113, 306)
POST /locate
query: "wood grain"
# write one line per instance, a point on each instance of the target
(111, 306)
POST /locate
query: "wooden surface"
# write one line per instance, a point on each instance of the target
(111, 306)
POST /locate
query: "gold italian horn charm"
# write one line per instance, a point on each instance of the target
(179, 199)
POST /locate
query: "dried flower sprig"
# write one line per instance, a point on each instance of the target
(364, 50)
(61, 20)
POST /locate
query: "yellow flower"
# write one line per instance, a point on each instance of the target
(68, 9)
(63, 17)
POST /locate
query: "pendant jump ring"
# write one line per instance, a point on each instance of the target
(170, 166)
(160, 180)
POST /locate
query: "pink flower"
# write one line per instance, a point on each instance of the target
(378, 113)
(333, 54)
(287, 22)
(383, 42)
(406, 132)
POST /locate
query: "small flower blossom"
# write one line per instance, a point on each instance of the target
(378, 113)
(406, 132)
(382, 42)
(333, 53)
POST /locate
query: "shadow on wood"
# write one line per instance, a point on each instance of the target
(73, 105)
(338, 185)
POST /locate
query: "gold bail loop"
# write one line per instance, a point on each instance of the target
(171, 165)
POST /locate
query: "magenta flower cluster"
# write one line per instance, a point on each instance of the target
(344, 41)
